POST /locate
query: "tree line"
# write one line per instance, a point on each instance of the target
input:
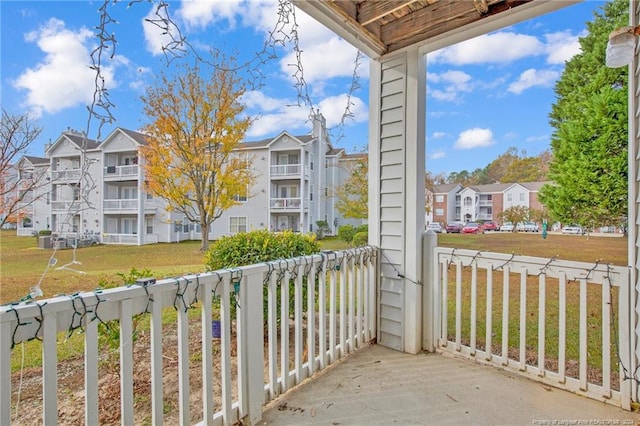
(511, 167)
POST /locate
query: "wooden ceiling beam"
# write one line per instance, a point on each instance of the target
(370, 11)
(422, 20)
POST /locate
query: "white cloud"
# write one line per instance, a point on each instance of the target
(438, 135)
(501, 47)
(474, 138)
(281, 115)
(201, 13)
(562, 46)
(506, 46)
(436, 155)
(533, 78)
(454, 82)
(153, 35)
(63, 78)
(316, 65)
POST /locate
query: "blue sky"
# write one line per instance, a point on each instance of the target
(483, 96)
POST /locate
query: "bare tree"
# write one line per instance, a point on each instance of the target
(18, 181)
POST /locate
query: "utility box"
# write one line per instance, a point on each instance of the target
(44, 242)
(60, 244)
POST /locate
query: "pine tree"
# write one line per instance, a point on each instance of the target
(589, 143)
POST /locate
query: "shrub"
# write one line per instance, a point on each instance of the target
(362, 228)
(360, 239)
(44, 232)
(259, 246)
(323, 229)
(346, 233)
(248, 248)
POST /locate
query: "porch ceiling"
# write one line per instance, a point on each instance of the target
(379, 27)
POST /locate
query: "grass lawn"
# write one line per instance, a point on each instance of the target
(610, 250)
(580, 248)
(22, 264)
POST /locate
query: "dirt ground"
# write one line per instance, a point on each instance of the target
(27, 385)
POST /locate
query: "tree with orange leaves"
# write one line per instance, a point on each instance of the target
(191, 157)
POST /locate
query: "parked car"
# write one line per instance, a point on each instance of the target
(491, 226)
(454, 228)
(527, 227)
(506, 227)
(435, 227)
(573, 229)
(473, 228)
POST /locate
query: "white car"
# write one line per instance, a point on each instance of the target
(506, 227)
(573, 229)
(527, 227)
(435, 227)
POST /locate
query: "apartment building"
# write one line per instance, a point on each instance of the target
(456, 203)
(33, 193)
(97, 189)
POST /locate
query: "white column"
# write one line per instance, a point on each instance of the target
(634, 192)
(414, 199)
(396, 193)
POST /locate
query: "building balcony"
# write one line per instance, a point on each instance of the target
(114, 173)
(286, 171)
(286, 204)
(127, 239)
(70, 175)
(25, 207)
(64, 206)
(332, 309)
(333, 313)
(127, 205)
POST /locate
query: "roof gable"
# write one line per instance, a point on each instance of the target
(80, 142)
(136, 137)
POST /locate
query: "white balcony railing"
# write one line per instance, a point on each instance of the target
(326, 303)
(120, 204)
(542, 318)
(64, 205)
(64, 175)
(109, 238)
(119, 172)
(285, 203)
(286, 170)
(25, 232)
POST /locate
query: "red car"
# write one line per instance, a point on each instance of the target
(473, 228)
(490, 226)
(454, 228)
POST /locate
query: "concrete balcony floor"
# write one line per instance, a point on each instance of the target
(377, 385)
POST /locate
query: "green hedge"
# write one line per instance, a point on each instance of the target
(248, 248)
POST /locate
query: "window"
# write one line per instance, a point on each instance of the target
(311, 161)
(522, 196)
(149, 225)
(509, 197)
(489, 197)
(129, 193)
(439, 198)
(237, 224)
(467, 201)
(129, 226)
(241, 198)
(439, 212)
(76, 192)
(311, 193)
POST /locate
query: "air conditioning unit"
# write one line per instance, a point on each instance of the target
(60, 244)
(111, 169)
